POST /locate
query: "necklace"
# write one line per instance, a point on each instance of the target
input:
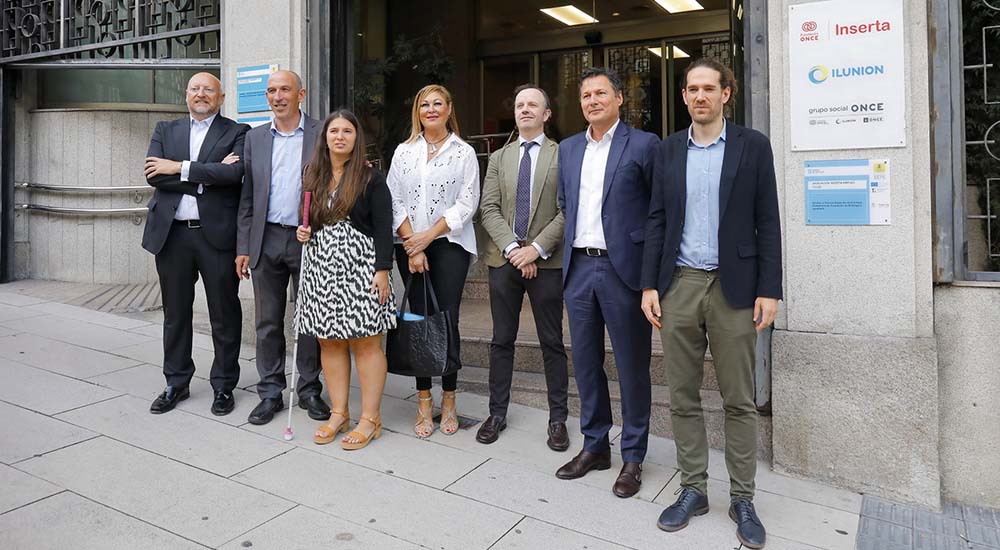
(433, 144)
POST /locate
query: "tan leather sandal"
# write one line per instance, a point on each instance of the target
(362, 439)
(328, 432)
(425, 423)
(449, 414)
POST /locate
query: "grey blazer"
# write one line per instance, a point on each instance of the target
(256, 190)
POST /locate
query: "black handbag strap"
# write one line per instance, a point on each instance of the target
(428, 287)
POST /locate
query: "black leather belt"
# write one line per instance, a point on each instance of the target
(592, 252)
(190, 224)
(282, 225)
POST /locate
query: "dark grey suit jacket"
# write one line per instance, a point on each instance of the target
(257, 185)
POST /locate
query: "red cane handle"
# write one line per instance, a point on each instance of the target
(305, 209)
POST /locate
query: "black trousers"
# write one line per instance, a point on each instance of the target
(507, 288)
(280, 256)
(185, 256)
(449, 265)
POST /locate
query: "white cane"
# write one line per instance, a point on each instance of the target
(289, 435)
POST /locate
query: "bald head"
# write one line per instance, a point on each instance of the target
(204, 95)
(284, 95)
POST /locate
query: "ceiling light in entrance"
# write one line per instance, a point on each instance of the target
(678, 6)
(569, 15)
(678, 53)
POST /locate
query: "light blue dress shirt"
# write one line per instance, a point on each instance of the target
(286, 175)
(700, 239)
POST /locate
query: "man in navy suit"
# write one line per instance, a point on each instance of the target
(711, 273)
(604, 189)
(193, 162)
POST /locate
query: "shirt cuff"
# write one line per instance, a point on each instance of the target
(454, 222)
(185, 170)
(541, 251)
(510, 248)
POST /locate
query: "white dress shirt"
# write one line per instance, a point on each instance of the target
(188, 207)
(589, 227)
(533, 154)
(447, 186)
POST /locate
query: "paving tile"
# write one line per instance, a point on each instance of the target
(872, 543)
(42, 391)
(19, 300)
(531, 534)
(878, 508)
(303, 528)
(925, 540)
(183, 500)
(80, 333)
(71, 521)
(400, 455)
(983, 516)
(937, 523)
(953, 510)
(5, 331)
(90, 316)
(588, 510)
(20, 488)
(151, 352)
(60, 357)
(982, 534)
(786, 517)
(25, 434)
(375, 499)
(185, 437)
(779, 543)
(10, 313)
(662, 450)
(143, 381)
(885, 531)
(200, 403)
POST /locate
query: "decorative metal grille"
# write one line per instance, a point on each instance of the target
(981, 45)
(132, 29)
(636, 65)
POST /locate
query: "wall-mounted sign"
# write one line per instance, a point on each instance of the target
(846, 74)
(848, 192)
(255, 121)
(251, 85)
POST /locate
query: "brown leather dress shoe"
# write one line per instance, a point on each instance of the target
(558, 436)
(629, 480)
(490, 430)
(583, 463)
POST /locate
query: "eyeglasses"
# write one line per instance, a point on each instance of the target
(207, 90)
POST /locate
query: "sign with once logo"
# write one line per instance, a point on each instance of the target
(846, 73)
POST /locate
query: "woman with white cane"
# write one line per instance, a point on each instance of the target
(345, 298)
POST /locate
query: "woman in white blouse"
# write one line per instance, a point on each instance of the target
(434, 182)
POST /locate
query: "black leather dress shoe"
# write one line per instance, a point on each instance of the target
(583, 463)
(629, 480)
(677, 515)
(169, 399)
(749, 529)
(490, 429)
(265, 411)
(223, 403)
(316, 407)
(558, 437)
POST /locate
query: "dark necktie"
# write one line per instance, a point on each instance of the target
(522, 201)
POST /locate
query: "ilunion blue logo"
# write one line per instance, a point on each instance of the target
(818, 74)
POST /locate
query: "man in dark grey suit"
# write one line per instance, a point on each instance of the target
(273, 156)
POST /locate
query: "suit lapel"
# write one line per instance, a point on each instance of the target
(681, 158)
(545, 156)
(266, 147)
(618, 142)
(184, 126)
(575, 159)
(309, 139)
(730, 163)
(215, 132)
(510, 167)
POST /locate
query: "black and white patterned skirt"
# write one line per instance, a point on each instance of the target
(335, 299)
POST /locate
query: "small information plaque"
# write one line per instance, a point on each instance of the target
(848, 192)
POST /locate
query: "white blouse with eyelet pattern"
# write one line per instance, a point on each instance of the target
(446, 186)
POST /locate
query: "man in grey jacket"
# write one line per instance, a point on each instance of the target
(274, 155)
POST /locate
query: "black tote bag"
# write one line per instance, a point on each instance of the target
(426, 347)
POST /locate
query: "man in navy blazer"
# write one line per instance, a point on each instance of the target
(711, 274)
(193, 162)
(604, 189)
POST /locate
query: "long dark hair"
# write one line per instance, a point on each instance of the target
(319, 174)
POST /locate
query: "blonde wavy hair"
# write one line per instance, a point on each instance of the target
(415, 126)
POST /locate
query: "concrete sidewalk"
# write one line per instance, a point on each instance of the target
(84, 465)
